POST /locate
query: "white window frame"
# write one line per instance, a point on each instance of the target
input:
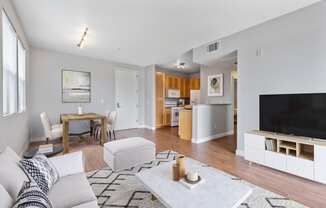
(20, 102)
(21, 78)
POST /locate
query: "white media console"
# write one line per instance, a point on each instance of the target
(300, 156)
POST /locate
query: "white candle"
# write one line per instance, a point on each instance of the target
(192, 176)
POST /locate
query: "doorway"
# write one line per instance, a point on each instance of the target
(127, 99)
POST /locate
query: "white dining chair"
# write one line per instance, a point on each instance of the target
(51, 131)
(111, 118)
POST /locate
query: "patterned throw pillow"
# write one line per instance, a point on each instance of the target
(40, 169)
(31, 196)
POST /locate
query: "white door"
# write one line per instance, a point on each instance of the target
(127, 99)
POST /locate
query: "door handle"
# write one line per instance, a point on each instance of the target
(118, 105)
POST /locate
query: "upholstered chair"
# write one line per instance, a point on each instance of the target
(51, 131)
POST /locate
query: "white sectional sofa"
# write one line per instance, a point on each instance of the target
(71, 191)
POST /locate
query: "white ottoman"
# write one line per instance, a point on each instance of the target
(126, 153)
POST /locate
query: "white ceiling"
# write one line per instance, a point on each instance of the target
(186, 58)
(142, 32)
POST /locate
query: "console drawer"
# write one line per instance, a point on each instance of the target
(255, 155)
(300, 167)
(275, 160)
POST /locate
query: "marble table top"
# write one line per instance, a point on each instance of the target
(218, 190)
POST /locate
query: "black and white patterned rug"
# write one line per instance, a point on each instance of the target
(121, 189)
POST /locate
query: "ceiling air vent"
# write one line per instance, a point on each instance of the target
(213, 46)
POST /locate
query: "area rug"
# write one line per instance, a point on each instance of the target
(122, 189)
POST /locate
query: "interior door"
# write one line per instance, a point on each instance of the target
(127, 99)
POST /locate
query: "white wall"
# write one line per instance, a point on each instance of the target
(45, 75)
(211, 122)
(14, 128)
(293, 60)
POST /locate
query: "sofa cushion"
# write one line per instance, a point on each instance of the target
(31, 196)
(70, 191)
(6, 200)
(92, 204)
(11, 154)
(128, 145)
(12, 176)
(42, 171)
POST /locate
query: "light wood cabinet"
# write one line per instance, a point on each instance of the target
(167, 116)
(195, 83)
(187, 88)
(184, 87)
(164, 82)
(172, 82)
(159, 99)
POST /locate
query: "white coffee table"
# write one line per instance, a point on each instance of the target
(218, 190)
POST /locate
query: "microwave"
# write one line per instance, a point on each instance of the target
(173, 93)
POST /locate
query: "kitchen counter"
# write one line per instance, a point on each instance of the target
(185, 124)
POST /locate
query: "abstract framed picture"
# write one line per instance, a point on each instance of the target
(76, 86)
(215, 85)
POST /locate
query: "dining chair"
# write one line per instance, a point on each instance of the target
(111, 118)
(51, 131)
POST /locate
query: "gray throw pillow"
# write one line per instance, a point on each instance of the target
(40, 169)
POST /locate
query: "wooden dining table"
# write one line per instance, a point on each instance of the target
(66, 118)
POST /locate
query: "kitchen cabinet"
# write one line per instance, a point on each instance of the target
(159, 99)
(167, 116)
(172, 82)
(195, 83)
(164, 82)
(184, 87)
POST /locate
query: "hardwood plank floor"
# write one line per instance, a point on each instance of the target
(218, 153)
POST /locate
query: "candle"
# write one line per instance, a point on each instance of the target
(192, 176)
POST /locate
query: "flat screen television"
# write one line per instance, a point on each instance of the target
(295, 114)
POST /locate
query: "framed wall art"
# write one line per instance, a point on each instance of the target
(76, 86)
(215, 85)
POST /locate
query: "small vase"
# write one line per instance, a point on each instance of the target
(175, 172)
(80, 110)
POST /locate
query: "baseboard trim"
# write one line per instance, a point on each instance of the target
(38, 139)
(239, 153)
(147, 127)
(208, 138)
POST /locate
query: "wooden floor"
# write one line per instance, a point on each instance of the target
(218, 153)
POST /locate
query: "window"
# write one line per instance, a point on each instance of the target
(21, 77)
(14, 55)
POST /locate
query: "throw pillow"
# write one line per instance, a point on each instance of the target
(6, 200)
(40, 169)
(31, 196)
(12, 176)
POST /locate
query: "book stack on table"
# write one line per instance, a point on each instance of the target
(47, 148)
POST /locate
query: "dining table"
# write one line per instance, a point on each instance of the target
(67, 118)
